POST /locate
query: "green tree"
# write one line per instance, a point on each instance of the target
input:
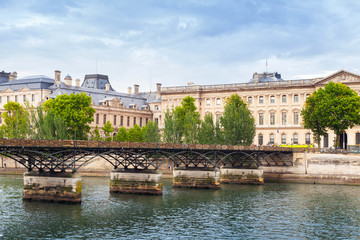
(182, 124)
(207, 130)
(313, 116)
(135, 134)
(336, 107)
(47, 125)
(108, 130)
(151, 132)
(16, 121)
(122, 135)
(238, 124)
(95, 135)
(76, 112)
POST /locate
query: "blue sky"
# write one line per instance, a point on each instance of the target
(176, 42)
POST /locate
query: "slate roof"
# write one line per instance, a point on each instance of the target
(99, 95)
(31, 82)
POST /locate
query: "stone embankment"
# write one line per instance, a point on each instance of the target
(318, 168)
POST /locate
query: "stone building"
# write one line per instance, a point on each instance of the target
(274, 102)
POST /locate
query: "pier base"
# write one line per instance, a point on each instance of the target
(52, 187)
(136, 181)
(241, 176)
(196, 178)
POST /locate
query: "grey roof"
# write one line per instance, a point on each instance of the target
(31, 82)
(98, 95)
(96, 81)
(4, 77)
(150, 97)
(266, 77)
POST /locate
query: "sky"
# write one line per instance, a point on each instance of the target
(175, 42)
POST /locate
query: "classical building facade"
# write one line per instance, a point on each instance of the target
(275, 104)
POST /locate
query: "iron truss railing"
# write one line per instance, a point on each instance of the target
(70, 156)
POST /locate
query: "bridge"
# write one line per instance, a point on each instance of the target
(52, 165)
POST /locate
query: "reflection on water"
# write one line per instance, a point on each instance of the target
(272, 211)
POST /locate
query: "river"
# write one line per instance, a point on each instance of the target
(271, 211)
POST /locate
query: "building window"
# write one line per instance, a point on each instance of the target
(141, 122)
(218, 118)
(307, 138)
(156, 107)
(250, 100)
(260, 139)
(146, 121)
(283, 98)
(114, 120)
(261, 100)
(134, 121)
(97, 118)
(295, 138)
(272, 99)
(283, 118)
(296, 98)
(157, 121)
(296, 118)
(208, 102)
(8, 99)
(24, 98)
(218, 101)
(326, 140)
(261, 118)
(104, 120)
(272, 138)
(128, 121)
(307, 95)
(16, 98)
(283, 138)
(33, 97)
(272, 118)
(357, 140)
(121, 120)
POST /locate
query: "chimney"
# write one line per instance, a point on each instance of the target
(136, 89)
(129, 90)
(68, 80)
(57, 77)
(158, 90)
(13, 76)
(107, 87)
(77, 82)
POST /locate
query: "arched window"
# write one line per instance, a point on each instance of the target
(295, 139)
(272, 138)
(260, 139)
(272, 99)
(307, 138)
(250, 100)
(296, 98)
(208, 102)
(218, 101)
(272, 118)
(261, 100)
(283, 138)
(283, 98)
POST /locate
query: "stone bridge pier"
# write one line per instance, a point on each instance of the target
(52, 187)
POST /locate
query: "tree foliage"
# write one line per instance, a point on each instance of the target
(151, 132)
(238, 124)
(122, 135)
(75, 110)
(16, 121)
(336, 107)
(48, 125)
(207, 130)
(108, 130)
(95, 135)
(182, 124)
(135, 134)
